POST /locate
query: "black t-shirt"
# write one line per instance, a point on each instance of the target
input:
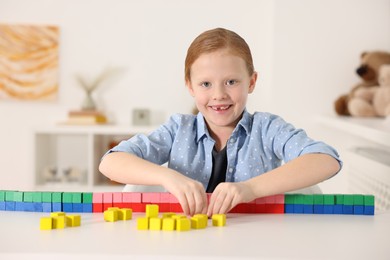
(218, 173)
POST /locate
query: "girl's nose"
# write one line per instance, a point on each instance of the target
(219, 92)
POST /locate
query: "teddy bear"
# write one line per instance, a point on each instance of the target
(370, 62)
(375, 101)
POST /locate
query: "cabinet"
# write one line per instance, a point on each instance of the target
(365, 143)
(66, 158)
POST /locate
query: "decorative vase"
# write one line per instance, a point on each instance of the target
(88, 103)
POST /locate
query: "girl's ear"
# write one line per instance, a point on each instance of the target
(252, 82)
(190, 88)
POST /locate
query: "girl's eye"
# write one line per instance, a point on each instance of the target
(206, 84)
(231, 82)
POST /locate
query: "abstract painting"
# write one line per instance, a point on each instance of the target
(28, 62)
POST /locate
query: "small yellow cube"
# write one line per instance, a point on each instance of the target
(199, 221)
(183, 224)
(111, 215)
(219, 220)
(168, 224)
(46, 223)
(59, 222)
(125, 214)
(155, 223)
(73, 220)
(143, 223)
(151, 211)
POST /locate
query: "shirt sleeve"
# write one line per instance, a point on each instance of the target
(155, 147)
(288, 142)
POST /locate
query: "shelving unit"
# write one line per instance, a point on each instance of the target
(67, 157)
(366, 146)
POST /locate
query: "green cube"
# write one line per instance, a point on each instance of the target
(87, 197)
(369, 200)
(37, 196)
(339, 199)
(348, 199)
(308, 199)
(9, 196)
(28, 196)
(318, 199)
(2, 195)
(358, 200)
(46, 196)
(56, 197)
(289, 198)
(77, 197)
(18, 196)
(329, 199)
(67, 197)
(298, 199)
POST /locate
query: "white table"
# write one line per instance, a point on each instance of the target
(265, 236)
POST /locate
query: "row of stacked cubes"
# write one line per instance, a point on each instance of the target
(89, 202)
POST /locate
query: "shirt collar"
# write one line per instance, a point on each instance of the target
(245, 122)
(202, 130)
(201, 127)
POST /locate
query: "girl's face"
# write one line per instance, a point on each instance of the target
(220, 84)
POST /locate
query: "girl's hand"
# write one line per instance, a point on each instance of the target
(190, 193)
(227, 195)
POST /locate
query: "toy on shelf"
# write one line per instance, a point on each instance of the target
(368, 71)
(375, 101)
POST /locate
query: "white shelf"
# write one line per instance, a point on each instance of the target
(66, 148)
(373, 129)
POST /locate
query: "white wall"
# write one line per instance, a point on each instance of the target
(305, 51)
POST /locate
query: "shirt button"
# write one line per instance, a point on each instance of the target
(232, 140)
(231, 170)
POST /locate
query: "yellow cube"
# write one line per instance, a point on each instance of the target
(125, 214)
(168, 224)
(143, 223)
(219, 220)
(73, 220)
(183, 224)
(59, 222)
(46, 223)
(154, 223)
(199, 221)
(151, 211)
(111, 215)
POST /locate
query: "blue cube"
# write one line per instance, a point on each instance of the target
(46, 206)
(369, 210)
(67, 207)
(328, 209)
(56, 206)
(348, 209)
(318, 209)
(87, 207)
(77, 207)
(289, 208)
(308, 209)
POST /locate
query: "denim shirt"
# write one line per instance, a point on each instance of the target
(259, 143)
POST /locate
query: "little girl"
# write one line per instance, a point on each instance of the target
(223, 150)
